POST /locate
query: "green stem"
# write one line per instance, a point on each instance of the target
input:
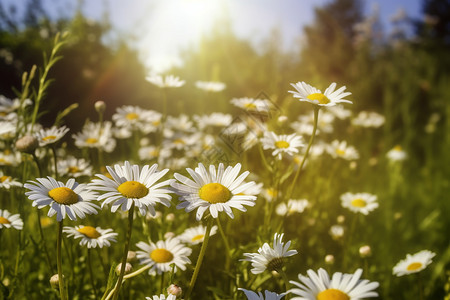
(316, 118)
(286, 282)
(125, 252)
(91, 273)
(200, 259)
(162, 283)
(55, 159)
(128, 276)
(227, 245)
(62, 292)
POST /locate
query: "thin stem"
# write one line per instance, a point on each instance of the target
(91, 273)
(286, 282)
(55, 162)
(200, 258)
(128, 276)
(62, 292)
(105, 270)
(316, 118)
(125, 252)
(162, 283)
(227, 245)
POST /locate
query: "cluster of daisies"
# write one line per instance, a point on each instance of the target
(206, 190)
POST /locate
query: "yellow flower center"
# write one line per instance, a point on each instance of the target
(133, 189)
(179, 142)
(398, 148)
(4, 221)
(49, 138)
(198, 237)
(359, 203)
(91, 140)
(156, 123)
(4, 178)
(250, 105)
(132, 116)
(89, 232)
(161, 256)
(340, 152)
(319, 97)
(281, 144)
(414, 266)
(46, 221)
(214, 193)
(63, 195)
(73, 169)
(332, 294)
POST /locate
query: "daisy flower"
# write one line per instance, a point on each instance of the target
(270, 258)
(319, 286)
(137, 118)
(210, 86)
(342, 150)
(337, 231)
(71, 199)
(308, 93)
(397, 154)
(213, 191)
(51, 135)
(168, 81)
(130, 184)
(369, 119)
(153, 152)
(160, 256)
(180, 123)
(293, 206)
(91, 236)
(282, 144)
(214, 119)
(252, 105)
(7, 128)
(74, 167)
(162, 297)
(7, 181)
(96, 135)
(414, 263)
(267, 295)
(359, 202)
(7, 220)
(196, 235)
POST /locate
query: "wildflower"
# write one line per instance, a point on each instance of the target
(270, 258)
(51, 135)
(175, 290)
(365, 251)
(152, 152)
(359, 202)
(90, 236)
(54, 281)
(7, 220)
(210, 86)
(396, 154)
(342, 150)
(100, 106)
(169, 81)
(72, 198)
(136, 118)
(281, 144)
(252, 105)
(7, 128)
(7, 182)
(196, 235)
(413, 263)
(128, 268)
(160, 256)
(337, 231)
(340, 287)
(129, 184)
(180, 123)
(74, 167)
(329, 259)
(369, 119)
(162, 297)
(96, 135)
(293, 206)
(330, 97)
(27, 144)
(267, 295)
(214, 119)
(213, 191)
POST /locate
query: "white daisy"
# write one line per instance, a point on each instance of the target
(129, 184)
(10, 159)
(74, 167)
(413, 263)
(210, 86)
(267, 295)
(180, 123)
(162, 297)
(91, 236)
(7, 220)
(337, 231)
(270, 258)
(7, 105)
(162, 255)
(293, 206)
(397, 154)
(72, 198)
(96, 135)
(137, 118)
(342, 150)
(252, 105)
(330, 97)
(213, 191)
(359, 202)
(282, 144)
(214, 119)
(7, 182)
(319, 286)
(152, 152)
(50, 135)
(7, 129)
(196, 235)
(339, 111)
(369, 119)
(168, 81)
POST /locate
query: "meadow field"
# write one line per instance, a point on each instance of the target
(311, 175)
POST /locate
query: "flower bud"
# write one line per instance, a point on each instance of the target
(175, 290)
(329, 259)
(54, 281)
(170, 217)
(128, 268)
(340, 219)
(27, 144)
(169, 235)
(100, 106)
(131, 256)
(365, 251)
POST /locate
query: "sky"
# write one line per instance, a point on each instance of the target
(162, 27)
